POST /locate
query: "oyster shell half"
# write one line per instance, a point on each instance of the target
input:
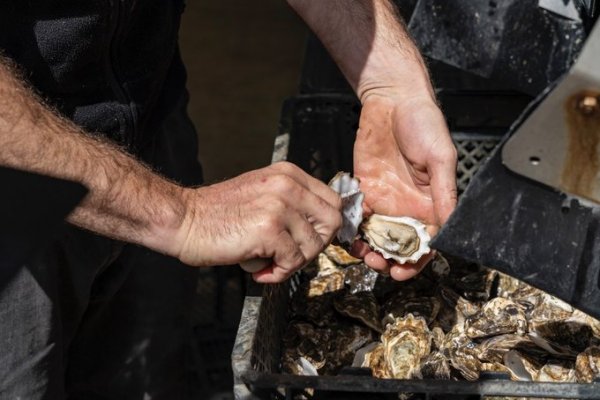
(352, 213)
(403, 239)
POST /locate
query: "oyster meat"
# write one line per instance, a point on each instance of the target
(402, 239)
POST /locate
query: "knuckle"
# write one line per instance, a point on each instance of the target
(271, 223)
(285, 167)
(282, 183)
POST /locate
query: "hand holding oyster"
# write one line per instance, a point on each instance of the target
(403, 240)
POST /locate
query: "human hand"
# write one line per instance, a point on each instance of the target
(406, 163)
(278, 212)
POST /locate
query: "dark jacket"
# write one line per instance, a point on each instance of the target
(112, 66)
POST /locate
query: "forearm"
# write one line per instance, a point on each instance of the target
(369, 42)
(126, 200)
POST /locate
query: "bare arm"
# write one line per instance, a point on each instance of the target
(369, 42)
(126, 200)
(403, 152)
(278, 212)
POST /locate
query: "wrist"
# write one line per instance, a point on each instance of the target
(405, 84)
(168, 228)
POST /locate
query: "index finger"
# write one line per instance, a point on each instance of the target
(311, 183)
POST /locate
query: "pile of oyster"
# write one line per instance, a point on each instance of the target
(455, 320)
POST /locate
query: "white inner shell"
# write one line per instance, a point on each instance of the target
(352, 213)
(403, 239)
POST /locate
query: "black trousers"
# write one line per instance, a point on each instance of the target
(94, 318)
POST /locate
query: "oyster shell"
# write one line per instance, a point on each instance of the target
(330, 278)
(361, 306)
(344, 342)
(352, 213)
(340, 256)
(405, 343)
(435, 366)
(556, 372)
(462, 353)
(496, 317)
(372, 356)
(403, 239)
(303, 340)
(587, 365)
(360, 278)
(494, 348)
(520, 367)
(399, 306)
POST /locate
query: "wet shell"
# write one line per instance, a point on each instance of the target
(405, 343)
(587, 365)
(402, 239)
(497, 316)
(361, 306)
(360, 278)
(435, 366)
(343, 344)
(462, 353)
(373, 357)
(352, 213)
(556, 373)
(520, 367)
(340, 256)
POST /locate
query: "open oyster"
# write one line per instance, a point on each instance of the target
(403, 239)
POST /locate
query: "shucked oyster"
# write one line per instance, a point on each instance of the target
(403, 239)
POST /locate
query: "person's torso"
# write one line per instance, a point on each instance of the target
(109, 65)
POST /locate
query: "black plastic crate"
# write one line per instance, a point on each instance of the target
(317, 133)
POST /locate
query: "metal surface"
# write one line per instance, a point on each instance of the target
(529, 231)
(566, 9)
(510, 41)
(544, 145)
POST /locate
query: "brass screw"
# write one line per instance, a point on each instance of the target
(588, 104)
